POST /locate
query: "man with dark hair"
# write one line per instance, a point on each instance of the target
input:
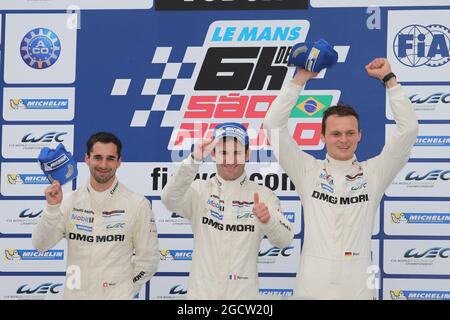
(341, 110)
(103, 137)
(340, 195)
(229, 216)
(110, 231)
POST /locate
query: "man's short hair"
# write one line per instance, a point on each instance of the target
(247, 147)
(340, 110)
(103, 137)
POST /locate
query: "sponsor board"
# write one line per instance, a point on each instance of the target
(26, 141)
(421, 180)
(168, 288)
(236, 75)
(418, 45)
(416, 289)
(32, 288)
(433, 141)
(25, 179)
(422, 218)
(39, 48)
(168, 222)
(20, 216)
(38, 104)
(274, 260)
(420, 257)
(39, 288)
(19, 255)
(276, 288)
(149, 178)
(429, 102)
(175, 254)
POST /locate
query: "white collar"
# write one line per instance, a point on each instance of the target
(339, 164)
(225, 183)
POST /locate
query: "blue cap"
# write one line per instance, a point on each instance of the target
(313, 56)
(58, 164)
(232, 129)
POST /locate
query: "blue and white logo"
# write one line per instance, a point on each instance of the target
(26, 254)
(420, 217)
(27, 179)
(417, 45)
(432, 141)
(277, 292)
(40, 48)
(290, 216)
(419, 295)
(39, 104)
(176, 254)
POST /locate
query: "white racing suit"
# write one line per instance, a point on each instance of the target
(340, 200)
(101, 239)
(227, 235)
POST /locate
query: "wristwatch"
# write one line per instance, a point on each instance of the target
(388, 77)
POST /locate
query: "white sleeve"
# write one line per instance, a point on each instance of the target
(50, 228)
(278, 229)
(397, 150)
(145, 242)
(292, 159)
(179, 193)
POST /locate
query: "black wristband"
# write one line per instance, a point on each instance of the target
(388, 77)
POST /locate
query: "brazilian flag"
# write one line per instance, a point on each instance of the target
(311, 106)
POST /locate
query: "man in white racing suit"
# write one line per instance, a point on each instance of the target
(229, 216)
(111, 234)
(339, 194)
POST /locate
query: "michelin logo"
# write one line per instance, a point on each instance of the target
(178, 255)
(277, 292)
(27, 179)
(432, 141)
(420, 218)
(419, 295)
(19, 254)
(39, 104)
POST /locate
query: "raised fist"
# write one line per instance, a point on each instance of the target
(378, 68)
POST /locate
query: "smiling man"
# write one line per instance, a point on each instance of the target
(229, 216)
(339, 194)
(110, 231)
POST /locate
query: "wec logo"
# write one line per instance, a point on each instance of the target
(177, 290)
(432, 175)
(46, 137)
(430, 253)
(27, 213)
(438, 97)
(41, 289)
(275, 252)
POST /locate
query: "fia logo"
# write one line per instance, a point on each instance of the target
(417, 45)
